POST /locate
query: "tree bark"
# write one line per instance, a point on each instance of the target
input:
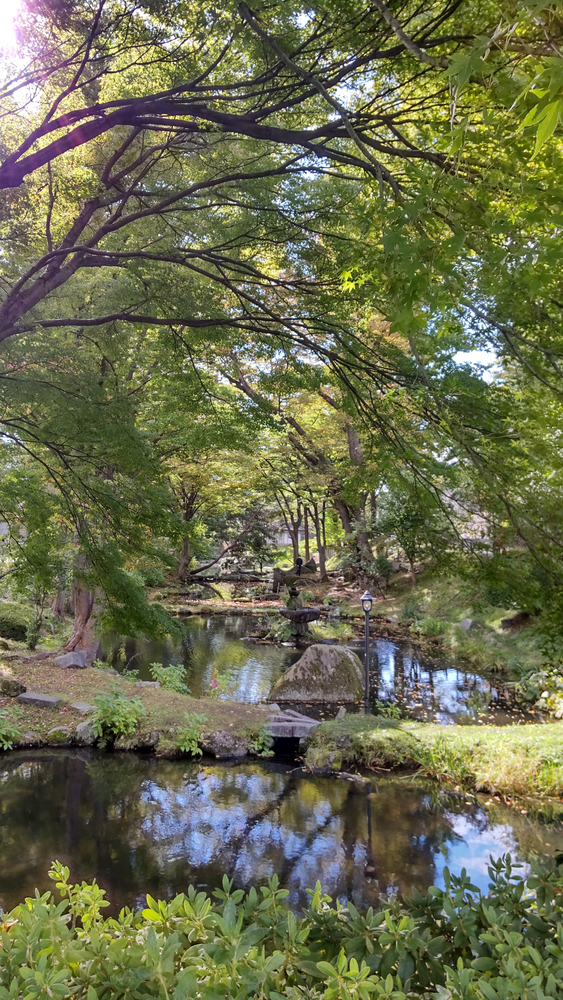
(185, 558)
(58, 604)
(82, 635)
(307, 546)
(321, 547)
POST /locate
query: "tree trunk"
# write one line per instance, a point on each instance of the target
(82, 635)
(185, 558)
(58, 604)
(306, 522)
(411, 571)
(321, 547)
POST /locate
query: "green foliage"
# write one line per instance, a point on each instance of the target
(280, 630)
(411, 608)
(14, 621)
(116, 715)
(171, 677)
(428, 627)
(448, 943)
(382, 569)
(190, 735)
(10, 727)
(260, 743)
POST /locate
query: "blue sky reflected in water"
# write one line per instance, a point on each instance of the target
(145, 824)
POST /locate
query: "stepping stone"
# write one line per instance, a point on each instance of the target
(82, 706)
(42, 700)
(290, 725)
(77, 659)
(147, 684)
(299, 715)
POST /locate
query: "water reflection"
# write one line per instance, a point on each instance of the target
(216, 650)
(434, 690)
(213, 649)
(149, 825)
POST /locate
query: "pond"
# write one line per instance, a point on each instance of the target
(217, 654)
(142, 824)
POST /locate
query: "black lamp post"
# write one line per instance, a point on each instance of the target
(367, 601)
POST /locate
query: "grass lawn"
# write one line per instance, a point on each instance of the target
(522, 760)
(165, 710)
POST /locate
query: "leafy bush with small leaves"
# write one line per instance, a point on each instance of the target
(116, 715)
(10, 728)
(171, 677)
(448, 944)
(189, 736)
(14, 621)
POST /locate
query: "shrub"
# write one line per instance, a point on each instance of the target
(14, 621)
(448, 944)
(190, 735)
(171, 677)
(260, 742)
(116, 715)
(429, 627)
(411, 608)
(10, 729)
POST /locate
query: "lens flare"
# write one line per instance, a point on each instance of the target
(9, 10)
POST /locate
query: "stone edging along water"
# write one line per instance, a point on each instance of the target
(525, 760)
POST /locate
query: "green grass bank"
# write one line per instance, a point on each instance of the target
(523, 760)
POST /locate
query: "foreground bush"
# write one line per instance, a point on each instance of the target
(453, 943)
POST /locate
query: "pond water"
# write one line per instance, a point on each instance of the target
(217, 655)
(142, 824)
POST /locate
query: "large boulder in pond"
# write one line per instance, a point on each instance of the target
(324, 673)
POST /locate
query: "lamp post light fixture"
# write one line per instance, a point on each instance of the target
(367, 602)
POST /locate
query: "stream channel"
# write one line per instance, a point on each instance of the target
(139, 823)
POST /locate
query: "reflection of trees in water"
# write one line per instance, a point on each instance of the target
(211, 646)
(428, 686)
(148, 825)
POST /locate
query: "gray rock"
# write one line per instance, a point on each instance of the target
(137, 741)
(77, 659)
(341, 713)
(60, 736)
(466, 624)
(223, 745)
(147, 741)
(84, 734)
(323, 674)
(290, 729)
(82, 706)
(30, 740)
(10, 687)
(42, 700)
(147, 684)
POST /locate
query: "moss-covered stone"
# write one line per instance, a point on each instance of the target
(323, 674)
(10, 687)
(323, 759)
(60, 736)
